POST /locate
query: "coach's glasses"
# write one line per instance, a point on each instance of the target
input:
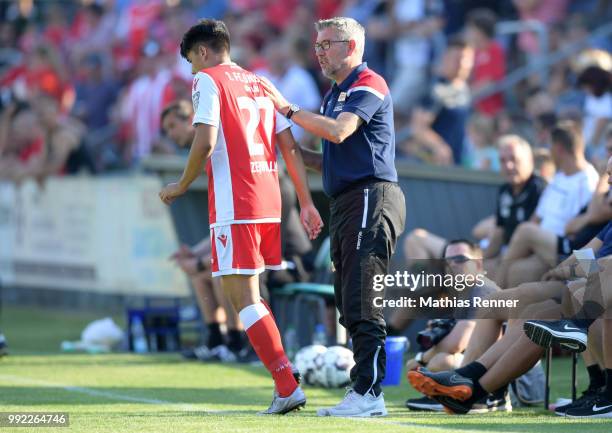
(325, 45)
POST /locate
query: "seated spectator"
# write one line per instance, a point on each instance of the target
(176, 123)
(489, 60)
(214, 307)
(463, 258)
(536, 245)
(517, 200)
(512, 355)
(485, 379)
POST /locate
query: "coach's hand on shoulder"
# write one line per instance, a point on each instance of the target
(311, 220)
(170, 192)
(280, 103)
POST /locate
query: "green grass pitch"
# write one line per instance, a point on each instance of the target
(162, 393)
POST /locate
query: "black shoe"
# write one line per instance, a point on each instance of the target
(443, 383)
(586, 398)
(424, 404)
(453, 406)
(564, 332)
(600, 407)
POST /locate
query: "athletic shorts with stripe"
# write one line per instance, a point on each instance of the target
(245, 249)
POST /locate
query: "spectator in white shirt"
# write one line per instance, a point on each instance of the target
(538, 243)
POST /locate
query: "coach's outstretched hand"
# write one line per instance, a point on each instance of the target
(311, 220)
(170, 192)
(273, 93)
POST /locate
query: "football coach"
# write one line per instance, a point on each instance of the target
(367, 206)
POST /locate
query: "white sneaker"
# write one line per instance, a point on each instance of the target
(282, 405)
(357, 405)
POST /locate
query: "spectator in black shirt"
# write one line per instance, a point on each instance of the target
(518, 198)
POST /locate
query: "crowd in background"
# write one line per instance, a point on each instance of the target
(83, 82)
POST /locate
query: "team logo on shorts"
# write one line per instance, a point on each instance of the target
(223, 240)
(196, 100)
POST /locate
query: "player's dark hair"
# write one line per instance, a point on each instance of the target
(567, 134)
(484, 20)
(210, 32)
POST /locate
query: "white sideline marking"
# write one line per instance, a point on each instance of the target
(107, 394)
(192, 408)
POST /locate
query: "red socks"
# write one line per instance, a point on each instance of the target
(266, 340)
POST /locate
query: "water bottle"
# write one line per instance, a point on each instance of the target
(319, 336)
(139, 339)
(291, 342)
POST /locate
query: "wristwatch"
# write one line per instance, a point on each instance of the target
(419, 358)
(293, 108)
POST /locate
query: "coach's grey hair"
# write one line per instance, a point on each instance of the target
(347, 28)
(508, 139)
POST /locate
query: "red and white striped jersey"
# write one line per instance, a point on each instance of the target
(242, 170)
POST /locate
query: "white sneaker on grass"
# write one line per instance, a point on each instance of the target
(357, 405)
(282, 405)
